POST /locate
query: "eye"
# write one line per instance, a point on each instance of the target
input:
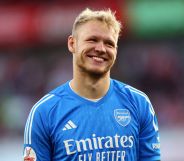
(110, 44)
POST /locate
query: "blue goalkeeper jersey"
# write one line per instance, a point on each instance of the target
(121, 126)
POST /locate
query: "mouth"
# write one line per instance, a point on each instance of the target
(97, 58)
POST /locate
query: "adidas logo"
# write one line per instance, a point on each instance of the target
(69, 125)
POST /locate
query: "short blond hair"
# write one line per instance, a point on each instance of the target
(105, 16)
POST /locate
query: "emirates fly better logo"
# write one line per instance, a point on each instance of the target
(122, 116)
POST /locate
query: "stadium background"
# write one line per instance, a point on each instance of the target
(34, 59)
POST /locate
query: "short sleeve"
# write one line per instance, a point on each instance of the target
(37, 144)
(149, 140)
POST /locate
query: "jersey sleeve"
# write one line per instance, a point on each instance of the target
(149, 141)
(37, 144)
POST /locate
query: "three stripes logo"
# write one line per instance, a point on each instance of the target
(69, 125)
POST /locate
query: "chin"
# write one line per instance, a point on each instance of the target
(97, 72)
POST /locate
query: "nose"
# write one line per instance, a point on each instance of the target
(100, 47)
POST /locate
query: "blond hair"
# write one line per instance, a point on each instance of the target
(105, 16)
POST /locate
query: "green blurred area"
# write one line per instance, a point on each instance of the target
(156, 18)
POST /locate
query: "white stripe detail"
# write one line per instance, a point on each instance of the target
(72, 124)
(138, 92)
(25, 131)
(69, 125)
(31, 116)
(64, 129)
(30, 129)
(28, 120)
(150, 105)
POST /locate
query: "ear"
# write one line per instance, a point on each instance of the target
(71, 44)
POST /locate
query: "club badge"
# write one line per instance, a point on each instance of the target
(122, 116)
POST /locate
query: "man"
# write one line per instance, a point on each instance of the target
(93, 117)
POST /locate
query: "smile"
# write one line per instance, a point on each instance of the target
(98, 59)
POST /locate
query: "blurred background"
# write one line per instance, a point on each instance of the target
(34, 59)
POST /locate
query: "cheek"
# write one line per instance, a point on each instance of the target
(83, 50)
(113, 54)
(80, 48)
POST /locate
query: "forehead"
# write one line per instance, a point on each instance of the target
(96, 28)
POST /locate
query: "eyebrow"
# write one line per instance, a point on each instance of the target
(99, 37)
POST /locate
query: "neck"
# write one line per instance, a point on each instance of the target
(91, 87)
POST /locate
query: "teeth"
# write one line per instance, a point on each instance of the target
(98, 59)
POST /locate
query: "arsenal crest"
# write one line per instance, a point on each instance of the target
(29, 154)
(122, 116)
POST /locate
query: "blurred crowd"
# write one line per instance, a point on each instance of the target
(155, 67)
(25, 76)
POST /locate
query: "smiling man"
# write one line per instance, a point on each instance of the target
(93, 117)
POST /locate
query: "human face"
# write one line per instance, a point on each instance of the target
(94, 48)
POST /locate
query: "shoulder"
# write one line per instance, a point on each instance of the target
(50, 100)
(132, 93)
